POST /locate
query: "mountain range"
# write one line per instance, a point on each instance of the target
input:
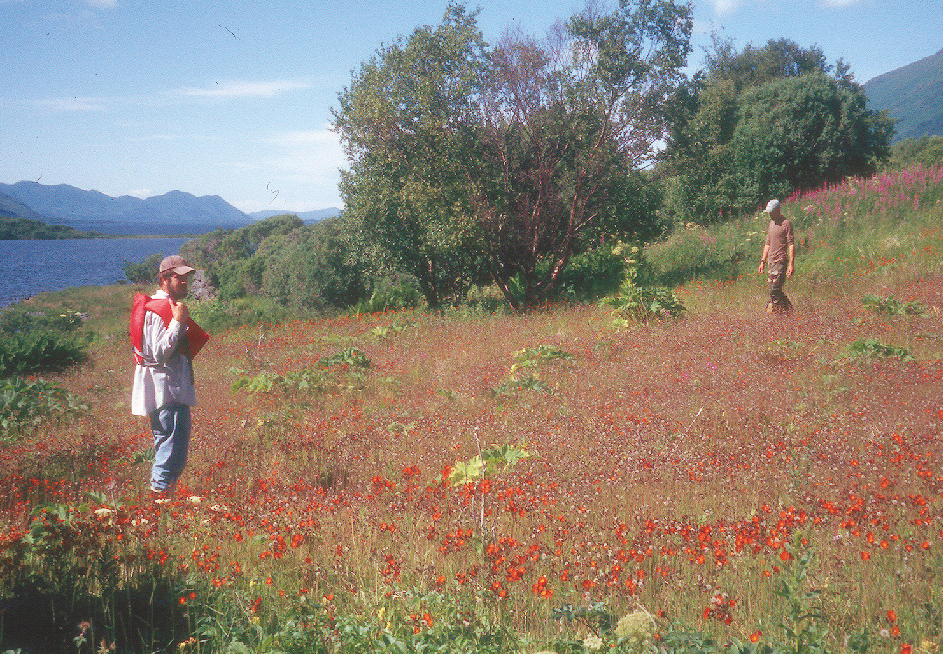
(171, 214)
(912, 95)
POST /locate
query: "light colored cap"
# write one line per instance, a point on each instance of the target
(176, 263)
(772, 206)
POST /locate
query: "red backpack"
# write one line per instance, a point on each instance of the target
(161, 306)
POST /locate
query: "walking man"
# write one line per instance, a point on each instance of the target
(779, 251)
(165, 341)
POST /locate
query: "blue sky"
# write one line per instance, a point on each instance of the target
(233, 98)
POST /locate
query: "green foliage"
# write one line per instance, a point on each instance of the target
(644, 303)
(279, 258)
(531, 357)
(562, 124)
(590, 274)
(17, 228)
(926, 151)
(405, 190)
(19, 320)
(41, 350)
(894, 307)
(28, 403)
(218, 315)
(804, 623)
(391, 294)
(350, 357)
(766, 122)
(800, 133)
(517, 383)
(871, 348)
(636, 303)
(517, 187)
(142, 272)
(351, 361)
(491, 461)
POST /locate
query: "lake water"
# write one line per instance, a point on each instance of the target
(31, 267)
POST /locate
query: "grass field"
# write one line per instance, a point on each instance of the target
(414, 482)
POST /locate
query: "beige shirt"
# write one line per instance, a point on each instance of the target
(166, 375)
(779, 237)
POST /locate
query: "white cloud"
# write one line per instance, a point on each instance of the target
(244, 89)
(726, 7)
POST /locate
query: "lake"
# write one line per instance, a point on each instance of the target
(32, 267)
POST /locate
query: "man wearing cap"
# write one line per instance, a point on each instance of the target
(779, 252)
(165, 340)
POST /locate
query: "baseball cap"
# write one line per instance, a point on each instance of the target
(176, 263)
(772, 206)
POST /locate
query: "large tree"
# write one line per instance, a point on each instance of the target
(801, 132)
(406, 122)
(508, 159)
(566, 126)
(762, 121)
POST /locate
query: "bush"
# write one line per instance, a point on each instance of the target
(392, 294)
(870, 348)
(142, 272)
(25, 353)
(15, 320)
(26, 404)
(893, 307)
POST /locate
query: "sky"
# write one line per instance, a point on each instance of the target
(234, 97)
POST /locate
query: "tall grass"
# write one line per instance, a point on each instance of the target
(724, 481)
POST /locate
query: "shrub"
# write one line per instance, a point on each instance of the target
(892, 306)
(16, 320)
(142, 272)
(219, 315)
(874, 349)
(392, 294)
(25, 353)
(642, 303)
(26, 404)
(37, 341)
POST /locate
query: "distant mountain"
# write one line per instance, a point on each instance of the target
(306, 216)
(13, 208)
(913, 96)
(174, 213)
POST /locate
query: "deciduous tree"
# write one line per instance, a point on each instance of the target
(566, 126)
(406, 122)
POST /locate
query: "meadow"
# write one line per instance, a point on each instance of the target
(554, 481)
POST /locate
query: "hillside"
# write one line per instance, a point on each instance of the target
(13, 208)
(172, 213)
(306, 216)
(913, 96)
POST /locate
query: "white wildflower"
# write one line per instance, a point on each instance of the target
(592, 643)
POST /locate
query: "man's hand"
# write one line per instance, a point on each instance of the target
(180, 311)
(789, 270)
(762, 265)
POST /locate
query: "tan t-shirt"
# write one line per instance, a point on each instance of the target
(778, 239)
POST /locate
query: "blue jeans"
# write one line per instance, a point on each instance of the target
(171, 428)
